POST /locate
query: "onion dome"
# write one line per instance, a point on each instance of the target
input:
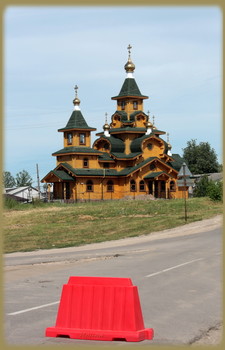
(149, 125)
(106, 126)
(129, 66)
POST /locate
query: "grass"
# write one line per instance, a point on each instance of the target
(29, 227)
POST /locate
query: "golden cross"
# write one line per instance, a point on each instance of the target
(106, 117)
(129, 48)
(76, 88)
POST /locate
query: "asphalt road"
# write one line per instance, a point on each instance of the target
(178, 273)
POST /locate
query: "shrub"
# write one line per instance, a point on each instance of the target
(201, 186)
(10, 203)
(37, 202)
(215, 190)
(208, 188)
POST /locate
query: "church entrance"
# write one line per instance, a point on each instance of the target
(157, 188)
(65, 190)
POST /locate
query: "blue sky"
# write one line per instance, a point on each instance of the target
(177, 52)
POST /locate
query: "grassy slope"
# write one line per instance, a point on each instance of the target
(63, 225)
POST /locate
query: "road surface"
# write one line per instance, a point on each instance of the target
(178, 273)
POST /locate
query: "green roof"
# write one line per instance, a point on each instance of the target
(89, 172)
(154, 174)
(177, 162)
(117, 145)
(76, 150)
(129, 170)
(62, 175)
(129, 88)
(76, 121)
(127, 129)
(157, 132)
(126, 156)
(136, 143)
(123, 116)
(105, 157)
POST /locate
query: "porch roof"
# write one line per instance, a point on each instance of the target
(155, 174)
(62, 175)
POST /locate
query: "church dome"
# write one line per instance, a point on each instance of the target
(129, 66)
(76, 101)
(106, 126)
(149, 124)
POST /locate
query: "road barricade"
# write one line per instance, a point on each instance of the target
(100, 308)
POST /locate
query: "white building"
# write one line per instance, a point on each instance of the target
(22, 194)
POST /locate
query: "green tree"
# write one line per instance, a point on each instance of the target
(208, 188)
(201, 159)
(8, 179)
(201, 186)
(23, 179)
(215, 190)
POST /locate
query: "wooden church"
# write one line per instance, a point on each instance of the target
(128, 159)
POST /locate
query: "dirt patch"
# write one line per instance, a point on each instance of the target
(138, 216)
(14, 213)
(86, 217)
(18, 226)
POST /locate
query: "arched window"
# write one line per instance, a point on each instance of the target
(123, 103)
(141, 186)
(110, 186)
(106, 146)
(82, 139)
(172, 186)
(85, 163)
(69, 139)
(132, 186)
(152, 166)
(89, 186)
(135, 105)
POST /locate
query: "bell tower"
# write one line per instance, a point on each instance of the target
(130, 98)
(77, 133)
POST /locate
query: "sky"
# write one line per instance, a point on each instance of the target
(48, 50)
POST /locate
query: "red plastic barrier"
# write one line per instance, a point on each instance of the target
(100, 308)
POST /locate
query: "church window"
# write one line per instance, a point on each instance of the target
(89, 186)
(150, 146)
(135, 105)
(82, 139)
(152, 166)
(123, 103)
(110, 186)
(69, 138)
(141, 186)
(106, 146)
(172, 186)
(85, 163)
(132, 186)
(106, 165)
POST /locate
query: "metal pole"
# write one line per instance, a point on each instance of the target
(185, 203)
(38, 181)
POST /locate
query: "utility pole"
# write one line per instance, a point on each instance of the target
(185, 202)
(38, 181)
